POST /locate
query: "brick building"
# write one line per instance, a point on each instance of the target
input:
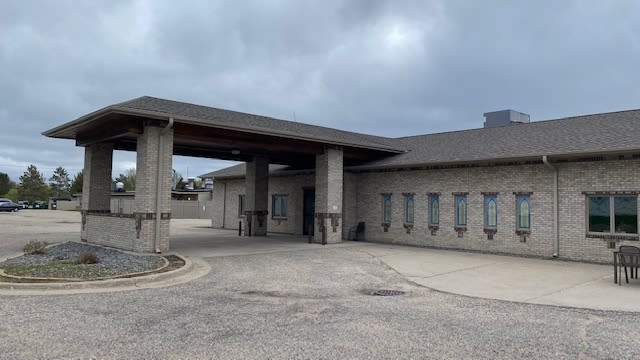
(560, 188)
(565, 188)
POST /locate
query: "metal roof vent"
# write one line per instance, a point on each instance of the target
(505, 117)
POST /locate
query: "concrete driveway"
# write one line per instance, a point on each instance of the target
(527, 280)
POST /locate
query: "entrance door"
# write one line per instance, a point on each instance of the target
(309, 205)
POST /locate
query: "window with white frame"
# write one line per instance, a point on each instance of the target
(279, 206)
(612, 214)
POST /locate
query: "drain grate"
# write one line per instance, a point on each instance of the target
(388, 292)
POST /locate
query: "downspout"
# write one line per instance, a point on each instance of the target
(556, 223)
(224, 204)
(159, 174)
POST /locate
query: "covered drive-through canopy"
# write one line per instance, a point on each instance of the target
(157, 129)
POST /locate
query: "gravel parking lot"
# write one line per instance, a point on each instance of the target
(303, 304)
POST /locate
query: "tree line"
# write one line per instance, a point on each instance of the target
(33, 185)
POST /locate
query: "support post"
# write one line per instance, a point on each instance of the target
(329, 193)
(257, 196)
(153, 188)
(96, 187)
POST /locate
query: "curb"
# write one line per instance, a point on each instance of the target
(74, 280)
(190, 271)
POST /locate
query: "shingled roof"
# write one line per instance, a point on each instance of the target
(262, 124)
(580, 135)
(588, 135)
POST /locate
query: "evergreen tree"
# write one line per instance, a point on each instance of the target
(32, 186)
(76, 183)
(5, 183)
(60, 182)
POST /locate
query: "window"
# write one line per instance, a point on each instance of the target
(490, 211)
(386, 208)
(242, 204)
(613, 214)
(434, 209)
(523, 212)
(409, 206)
(461, 210)
(279, 206)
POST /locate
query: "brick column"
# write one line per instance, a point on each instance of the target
(329, 184)
(153, 176)
(257, 197)
(96, 186)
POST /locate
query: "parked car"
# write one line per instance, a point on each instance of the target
(24, 203)
(40, 204)
(5, 200)
(9, 206)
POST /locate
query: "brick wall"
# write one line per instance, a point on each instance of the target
(362, 201)
(292, 186)
(504, 180)
(576, 178)
(119, 232)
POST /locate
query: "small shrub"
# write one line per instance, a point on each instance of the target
(35, 247)
(89, 258)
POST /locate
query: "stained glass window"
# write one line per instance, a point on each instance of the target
(461, 210)
(490, 211)
(523, 212)
(386, 208)
(434, 209)
(408, 208)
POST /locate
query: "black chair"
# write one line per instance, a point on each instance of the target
(628, 257)
(357, 233)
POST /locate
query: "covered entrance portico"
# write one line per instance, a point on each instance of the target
(157, 129)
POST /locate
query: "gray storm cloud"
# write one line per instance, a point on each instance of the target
(392, 68)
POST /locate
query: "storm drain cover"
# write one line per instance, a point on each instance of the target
(388, 292)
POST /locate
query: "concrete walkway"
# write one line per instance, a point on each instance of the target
(535, 281)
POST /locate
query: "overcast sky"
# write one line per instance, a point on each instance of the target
(390, 68)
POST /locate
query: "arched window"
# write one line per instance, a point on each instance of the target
(523, 210)
(408, 208)
(434, 206)
(490, 211)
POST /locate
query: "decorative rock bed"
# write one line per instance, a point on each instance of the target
(63, 262)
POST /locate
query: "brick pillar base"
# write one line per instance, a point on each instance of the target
(328, 206)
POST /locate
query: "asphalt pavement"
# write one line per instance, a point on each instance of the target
(304, 302)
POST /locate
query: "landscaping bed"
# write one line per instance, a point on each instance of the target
(77, 261)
